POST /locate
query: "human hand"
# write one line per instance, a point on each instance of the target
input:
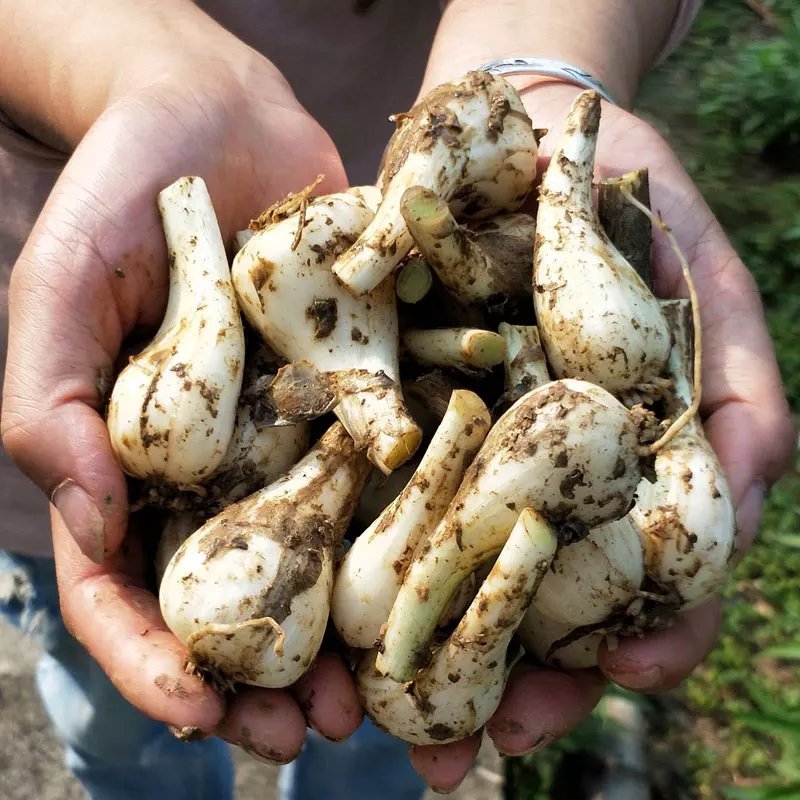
(745, 417)
(93, 272)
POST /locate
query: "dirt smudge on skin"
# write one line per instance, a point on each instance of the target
(170, 686)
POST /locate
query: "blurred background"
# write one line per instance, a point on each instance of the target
(729, 103)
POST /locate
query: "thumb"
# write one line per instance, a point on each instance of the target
(75, 292)
(54, 388)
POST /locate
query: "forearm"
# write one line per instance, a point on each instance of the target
(614, 40)
(63, 61)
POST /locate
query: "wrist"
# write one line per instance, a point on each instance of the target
(615, 41)
(56, 87)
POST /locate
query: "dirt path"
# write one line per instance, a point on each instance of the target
(31, 758)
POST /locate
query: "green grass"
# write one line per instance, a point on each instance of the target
(729, 102)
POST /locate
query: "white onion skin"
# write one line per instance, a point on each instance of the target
(172, 409)
(372, 570)
(178, 527)
(249, 592)
(568, 448)
(461, 688)
(591, 579)
(597, 319)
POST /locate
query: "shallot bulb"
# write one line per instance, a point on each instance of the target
(597, 319)
(172, 410)
(461, 687)
(249, 592)
(472, 143)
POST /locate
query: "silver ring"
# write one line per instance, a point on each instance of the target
(554, 69)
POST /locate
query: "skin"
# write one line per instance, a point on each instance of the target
(743, 409)
(176, 119)
(171, 108)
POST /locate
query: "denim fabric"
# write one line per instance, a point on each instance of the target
(370, 765)
(116, 752)
(119, 754)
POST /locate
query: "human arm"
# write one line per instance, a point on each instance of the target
(145, 93)
(745, 413)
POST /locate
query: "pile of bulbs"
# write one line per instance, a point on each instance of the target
(576, 502)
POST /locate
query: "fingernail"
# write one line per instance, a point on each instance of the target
(640, 679)
(82, 518)
(189, 733)
(748, 513)
(538, 744)
(276, 762)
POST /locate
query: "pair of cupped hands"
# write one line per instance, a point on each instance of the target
(94, 272)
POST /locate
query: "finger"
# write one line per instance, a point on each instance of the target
(444, 766)
(662, 659)
(542, 705)
(267, 723)
(78, 288)
(328, 697)
(748, 460)
(118, 621)
(747, 417)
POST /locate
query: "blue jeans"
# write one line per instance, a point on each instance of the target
(118, 753)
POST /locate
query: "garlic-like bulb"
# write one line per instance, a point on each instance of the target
(472, 143)
(249, 592)
(597, 319)
(372, 571)
(559, 644)
(686, 517)
(288, 293)
(591, 579)
(172, 410)
(461, 688)
(568, 449)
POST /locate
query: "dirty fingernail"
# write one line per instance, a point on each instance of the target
(82, 518)
(264, 759)
(640, 679)
(189, 733)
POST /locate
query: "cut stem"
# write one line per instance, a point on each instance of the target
(525, 363)
(495, 260)
(414, 280)
(465, 349)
